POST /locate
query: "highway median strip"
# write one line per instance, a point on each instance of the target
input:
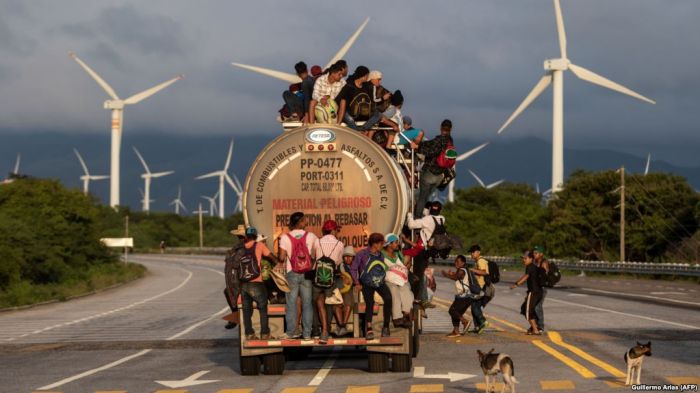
(557, 339)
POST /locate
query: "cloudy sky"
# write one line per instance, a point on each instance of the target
(470, 60)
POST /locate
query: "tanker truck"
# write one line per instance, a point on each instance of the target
(328, 172)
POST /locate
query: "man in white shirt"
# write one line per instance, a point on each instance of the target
(299, 285)
(426, 224)
(326, 88)
(332, 248)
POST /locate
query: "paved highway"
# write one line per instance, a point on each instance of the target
(167, 327)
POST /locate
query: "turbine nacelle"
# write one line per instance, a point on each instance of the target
(114, 104)
(556, 64)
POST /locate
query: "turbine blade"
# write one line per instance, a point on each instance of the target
(161, 174)
(179, 193)
(17, 162)
(142, 160)
(238, 183)
(478, 179)
(97, 78)
(82, 163)
(136, 98)
(560, 29)
(231, 183)
(208, 175)
(494, 184)
(471, 152)
(98, 177)
(536, 91)
(141, 192)
(537, 188)
(228, 158)
(344, 49)
(646, 169)
(285, 76)
(182, 205)
(592, 77)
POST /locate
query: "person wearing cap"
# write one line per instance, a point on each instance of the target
(397, 281)
(379, 94)
(432, 174)
(410, 135)
(344, 311)
(373, 252)
(541, 262)
(426, 225)
(298, 104)
(316, 71)
(254, 290)
(331, 247)
(233, 286)
(299, 284)
(481, 271)
(534, 291)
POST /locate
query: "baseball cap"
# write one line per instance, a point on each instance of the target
(475, 247)
(407, 120)
(349, 251)
(539, 249)
(251, 231)
(316, 70)
(375, 74)
(330, 225)
(390, 238)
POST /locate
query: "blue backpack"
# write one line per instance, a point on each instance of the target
(374, 272)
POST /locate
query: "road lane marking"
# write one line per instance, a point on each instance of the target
(109, 391)
(130, 357)
(626, 314)
(684, 380)
(557, 339)
(245, 390)
(574, 365)
(444, 306)
(559, 385)
(325, 369)
(171, 391)
(427, 388)
(103, 314)
(499, 386)
(646, 296)
(299, 390)
(511, 325)
(363, 389)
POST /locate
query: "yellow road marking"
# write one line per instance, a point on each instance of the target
(684, 380)
(511, 325)
(111, 391)
(482, 386)
(363, 389)
(557, 339)
(446, 305)
(171, 391)
(245, 390)
(299, 390)
(557, 385)
(576, 366)
(436, 388)
(616, 383)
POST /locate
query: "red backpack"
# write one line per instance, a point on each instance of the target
(300, 258)
(447, 157)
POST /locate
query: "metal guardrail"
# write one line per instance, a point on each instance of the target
(651, 268)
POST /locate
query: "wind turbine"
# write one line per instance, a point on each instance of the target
(482, 184)
(147, 177)
(143, 198)
(212, 203)
(555, 74)
(293, 78)
(223, 176)
(178, 201)
(646, 168)
(117, 105)
(87, 176)
(462, 157)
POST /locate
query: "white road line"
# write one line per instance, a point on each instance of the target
(325, 369)
(103, 314)
(626, 314)
(645, 296)
(130, 357)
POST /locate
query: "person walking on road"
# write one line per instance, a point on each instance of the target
(534, 291)
(427, 225)
(481, 272)
(541, 263)
(365, 260)
(296, 249)
(462, 300)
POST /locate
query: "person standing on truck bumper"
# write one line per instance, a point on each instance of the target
(373, 251)
(299, 284)
(233, 286)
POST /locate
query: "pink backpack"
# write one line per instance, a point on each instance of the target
(300, 257)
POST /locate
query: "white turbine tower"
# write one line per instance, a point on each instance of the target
(292, 78)
(212, 203)
(116, 104)
(87, 176)
(646, 168)
(143, 197)
(484, 185)
(147, 177)
(462, 157)
(555, 74)
(223, 177)
(177, 202)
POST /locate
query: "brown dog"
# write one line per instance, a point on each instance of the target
(634, 358)
(492, 364)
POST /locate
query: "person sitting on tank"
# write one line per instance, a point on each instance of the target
(323, 107)
(394, 118)
(368, 258)
(355, 104)
(379, 94)
(298, 97)
(397, 281)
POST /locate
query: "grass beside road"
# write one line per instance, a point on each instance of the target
(98, 277)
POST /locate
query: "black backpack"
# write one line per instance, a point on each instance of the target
(553, 276)
(440, 242)
(541, 276)
(360, 106)
(494, 274)
(325, 270)
(248, 267)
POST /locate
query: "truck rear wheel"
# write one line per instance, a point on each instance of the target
(273, 363)
(401, 363)
(378, 362)
(250, 365)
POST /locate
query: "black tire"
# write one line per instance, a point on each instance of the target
(273, 363)
(401, 363)
(250, 365)
(378, 362)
